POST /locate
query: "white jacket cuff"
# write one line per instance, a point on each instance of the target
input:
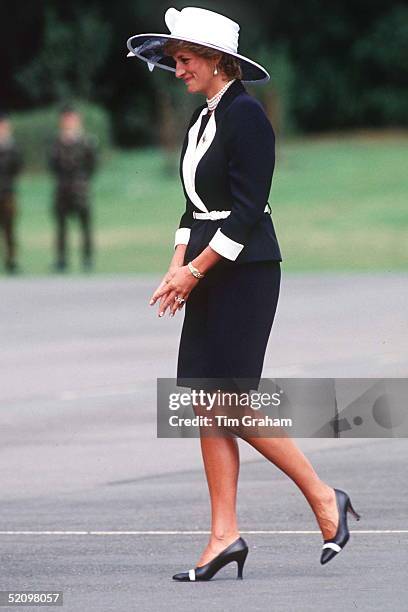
(224, 246)
(182, 236)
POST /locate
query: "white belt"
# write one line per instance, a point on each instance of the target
(214, 215)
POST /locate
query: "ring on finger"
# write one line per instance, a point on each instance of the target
(179, 299)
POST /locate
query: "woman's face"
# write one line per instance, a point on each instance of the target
(196, 71)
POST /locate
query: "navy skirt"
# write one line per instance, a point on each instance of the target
(227, 323)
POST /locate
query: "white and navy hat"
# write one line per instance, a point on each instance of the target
(198, 26)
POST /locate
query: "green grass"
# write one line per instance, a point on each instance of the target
(338, 203)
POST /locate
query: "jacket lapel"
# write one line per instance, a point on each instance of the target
(190, 161)
(194, 152)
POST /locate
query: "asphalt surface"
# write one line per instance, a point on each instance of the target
(81, 468)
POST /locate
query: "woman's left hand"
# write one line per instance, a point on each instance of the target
(181, 285)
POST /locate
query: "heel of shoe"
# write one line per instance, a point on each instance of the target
(240, 563)
(352, 511)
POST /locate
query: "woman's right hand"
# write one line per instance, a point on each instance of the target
(175, 264)
(166, 279)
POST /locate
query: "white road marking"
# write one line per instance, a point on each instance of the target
(251, 532)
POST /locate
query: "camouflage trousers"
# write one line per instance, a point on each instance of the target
(71, 204)
(7, 225)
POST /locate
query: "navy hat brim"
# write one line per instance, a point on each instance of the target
(150, 48)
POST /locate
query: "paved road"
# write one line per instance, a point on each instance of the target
(79, 456)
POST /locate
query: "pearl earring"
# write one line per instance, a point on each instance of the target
(215, 71)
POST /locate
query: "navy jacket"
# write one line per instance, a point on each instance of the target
(230, 169)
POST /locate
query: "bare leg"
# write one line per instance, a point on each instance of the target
(221, 463)
(284, 453)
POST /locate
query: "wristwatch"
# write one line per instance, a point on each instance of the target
(196, 273)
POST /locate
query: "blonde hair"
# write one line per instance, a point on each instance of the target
(228, 64)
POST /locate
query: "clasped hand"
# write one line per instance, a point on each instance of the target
(177, 283)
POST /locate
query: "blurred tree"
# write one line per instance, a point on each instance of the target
(276, 95)
(381, 59)
(70, 59)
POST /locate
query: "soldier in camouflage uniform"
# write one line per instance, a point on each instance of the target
(72, 160)
(10, 166)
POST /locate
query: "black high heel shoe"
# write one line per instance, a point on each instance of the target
(335, 545)
(237, 551)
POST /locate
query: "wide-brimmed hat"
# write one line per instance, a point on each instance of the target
(200, 26)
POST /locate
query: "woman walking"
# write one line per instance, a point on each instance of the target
(226, 267)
